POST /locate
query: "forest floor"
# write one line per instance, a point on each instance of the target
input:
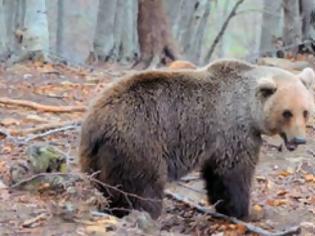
(284, 186)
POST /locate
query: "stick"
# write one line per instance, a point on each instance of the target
(41, 107)
(44, 127)
(223, 28)
(34, 221)
(255, 229)
(49, 132)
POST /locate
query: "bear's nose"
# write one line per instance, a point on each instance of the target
(298, 140)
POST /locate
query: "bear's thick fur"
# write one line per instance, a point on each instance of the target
(157, 126)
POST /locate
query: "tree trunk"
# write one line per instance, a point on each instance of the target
(60, 26)
(26, 32)
(116, 37)
(292, 32)
(4, 50)
(270, 26)
(156, 42)
(308, 26)
(189, 23)
(36, 36)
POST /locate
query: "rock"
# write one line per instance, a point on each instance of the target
(45, 158)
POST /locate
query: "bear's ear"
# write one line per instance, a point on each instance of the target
(307, 76)
(266, 87)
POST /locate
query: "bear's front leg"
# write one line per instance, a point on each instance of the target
(229, 190)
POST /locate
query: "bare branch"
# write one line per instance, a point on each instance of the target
(255, 229)
(223, 28)
(41, 107)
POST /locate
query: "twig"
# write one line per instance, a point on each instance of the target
(50, 126)
(34, 221)
(255, 229)
(49, 132)
(41, 107)
(8, 135)
(311, 152)
(223, 28)
(23, 140)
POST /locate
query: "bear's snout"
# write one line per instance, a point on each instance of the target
(292, 143)
(298, 140)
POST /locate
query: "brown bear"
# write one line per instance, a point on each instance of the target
(157, 126)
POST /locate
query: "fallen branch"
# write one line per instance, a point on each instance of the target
(50, 132)
(30, 223)
(223, 28)
(51, 126)
(41, 107)
(250, 227)
(23, 140)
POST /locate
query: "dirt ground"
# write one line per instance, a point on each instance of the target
(284, 185)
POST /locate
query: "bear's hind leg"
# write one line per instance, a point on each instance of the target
(229, 191)
(138, 188)
(148, 199)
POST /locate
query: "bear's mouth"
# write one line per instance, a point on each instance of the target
(290, 145)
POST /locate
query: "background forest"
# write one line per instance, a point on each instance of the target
(87, 31)
(57, 55)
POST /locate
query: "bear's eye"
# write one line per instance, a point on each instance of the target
(305, 114)
(287, 114)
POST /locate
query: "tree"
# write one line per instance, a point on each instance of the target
(25, 34)
(307, 15)
(189, 24)
(155, 39)
(292, 30)
(270, 26)
(116, 37)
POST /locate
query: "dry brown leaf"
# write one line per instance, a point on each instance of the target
(309, 178)
(9, 121)
(282, 192)
(7, 149)
(284, 173)
(277, 202)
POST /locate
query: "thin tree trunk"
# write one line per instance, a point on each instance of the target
(3, 33)
(36, 36)
(292, 32)
(189, 23)
(116, 37)
(156, 42)
(223, 28)
(269, 27)
(60, 26)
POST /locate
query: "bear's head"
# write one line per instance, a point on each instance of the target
(287, 103)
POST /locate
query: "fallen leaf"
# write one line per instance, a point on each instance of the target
(282, 192)
(9, 121)
(277, 202)
(285, 173)
(309, 178)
